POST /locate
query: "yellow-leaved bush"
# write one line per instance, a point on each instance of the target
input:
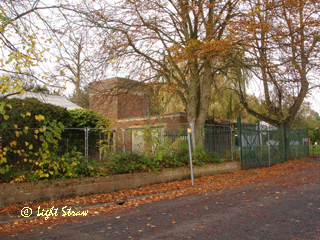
(31, 154)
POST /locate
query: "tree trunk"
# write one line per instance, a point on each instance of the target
(199, 100)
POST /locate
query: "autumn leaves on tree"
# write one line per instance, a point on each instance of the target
(193, 49)
(283, 54)
(182, 44)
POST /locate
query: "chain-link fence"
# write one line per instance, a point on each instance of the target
(150, 139)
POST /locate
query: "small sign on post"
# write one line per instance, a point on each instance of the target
(190, 155)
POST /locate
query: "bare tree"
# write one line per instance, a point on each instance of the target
(283, 44)
(78, 53)
(21, 50)
(181, 43)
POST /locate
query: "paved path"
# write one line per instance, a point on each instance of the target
(280, 209)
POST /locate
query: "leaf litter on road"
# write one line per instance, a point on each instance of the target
(220, 182)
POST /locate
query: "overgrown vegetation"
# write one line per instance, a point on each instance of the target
(25, 151)
(74, 165)
(31, 138)
(18, 107)
(130, 162)
(32, 155)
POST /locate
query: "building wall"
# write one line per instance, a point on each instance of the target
(101, 101)
(128, 108)
(132, 105)
(119, 98)
(125, 127)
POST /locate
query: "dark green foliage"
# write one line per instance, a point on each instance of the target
(81, 118)
(76, 118)
(33, 141)
(23, 114)
(130, 162)
(35, 107)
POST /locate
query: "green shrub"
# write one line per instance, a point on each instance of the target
(130, 162)
(91, 168)
(80, 118)
(34, 107)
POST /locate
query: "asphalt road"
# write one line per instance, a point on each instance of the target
(264, 210)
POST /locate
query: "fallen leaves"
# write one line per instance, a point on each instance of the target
(217, 183)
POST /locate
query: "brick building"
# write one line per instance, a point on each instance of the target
(119, 98)
(126, 103)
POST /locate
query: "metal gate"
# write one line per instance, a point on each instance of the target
(272, 145)
(265, 145)
(249, 144)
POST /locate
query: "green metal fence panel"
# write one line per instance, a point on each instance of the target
(314, 150)
(271, 145)
(265, 145)
(297, 143)
(250, 145)
(178, 139)
(219, 140)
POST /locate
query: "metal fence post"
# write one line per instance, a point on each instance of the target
(269, 145)
(114, 141)
(239, 137)
(86, 131)
(231, 146)
(259, 140)
(123, 145)
(100, 147)
(284, 143)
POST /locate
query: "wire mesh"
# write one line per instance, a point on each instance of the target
(297, 143)
(91, 142)
(265, 145)
(216, 139)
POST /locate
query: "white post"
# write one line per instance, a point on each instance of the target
(193, 140)
(190, 156)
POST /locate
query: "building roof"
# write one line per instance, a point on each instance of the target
(46, 98)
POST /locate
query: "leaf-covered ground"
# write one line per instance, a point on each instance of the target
(281, 173)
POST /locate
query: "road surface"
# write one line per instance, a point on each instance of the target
(281, 208)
